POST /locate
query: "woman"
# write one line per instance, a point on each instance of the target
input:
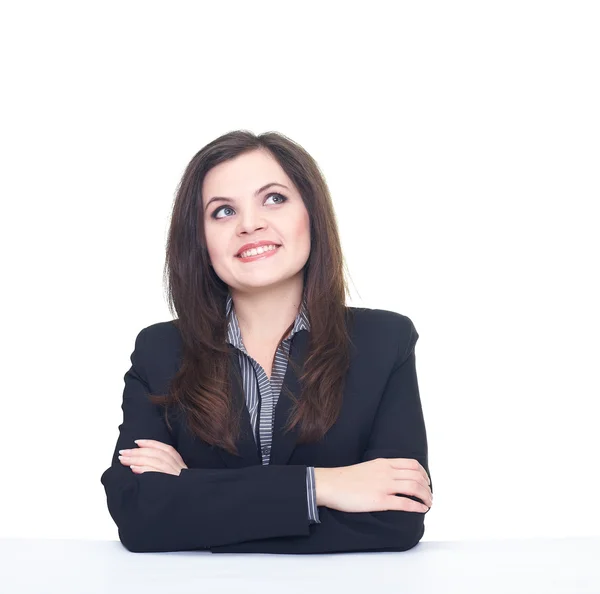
(268, 417)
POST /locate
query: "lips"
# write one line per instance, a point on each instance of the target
(264, 254)
(254, 245)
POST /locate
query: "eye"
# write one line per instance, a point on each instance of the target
(214, 214)
(226, 207)
(277, 194)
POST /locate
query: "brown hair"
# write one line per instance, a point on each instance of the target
(198, 297)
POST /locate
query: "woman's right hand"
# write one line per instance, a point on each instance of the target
(373, 485)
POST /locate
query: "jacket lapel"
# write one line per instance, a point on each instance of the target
(283, 443)
(247, 448)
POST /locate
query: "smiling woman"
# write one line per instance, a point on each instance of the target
(267, 408)
(252, 218)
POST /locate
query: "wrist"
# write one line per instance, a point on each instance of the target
(322, 486)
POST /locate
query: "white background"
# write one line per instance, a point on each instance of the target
(461, 145)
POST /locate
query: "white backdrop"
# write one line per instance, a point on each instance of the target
(460, 141)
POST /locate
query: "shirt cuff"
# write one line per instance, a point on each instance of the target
(311, 492)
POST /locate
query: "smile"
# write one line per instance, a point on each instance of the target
(258, 254)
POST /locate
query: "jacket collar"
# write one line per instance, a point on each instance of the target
(283, 443)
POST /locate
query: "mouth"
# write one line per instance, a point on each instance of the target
(257, 256)
(263, 253)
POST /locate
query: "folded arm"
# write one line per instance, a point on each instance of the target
(156, 511)
(398, 432)
(260, 509)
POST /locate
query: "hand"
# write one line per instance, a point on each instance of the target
(373, 485)
(152, 456)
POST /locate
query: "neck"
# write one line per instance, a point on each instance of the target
(265, 313)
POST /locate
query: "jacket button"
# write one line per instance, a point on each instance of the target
(266, 450)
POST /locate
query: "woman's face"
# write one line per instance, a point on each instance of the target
(276, 214)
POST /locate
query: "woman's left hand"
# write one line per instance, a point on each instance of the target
(152, 456)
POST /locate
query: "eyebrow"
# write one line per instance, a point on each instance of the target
(223, 199)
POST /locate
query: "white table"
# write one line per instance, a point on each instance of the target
(549, 566)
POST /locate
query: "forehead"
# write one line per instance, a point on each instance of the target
(243, 175)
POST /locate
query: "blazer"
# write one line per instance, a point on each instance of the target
(234, 504)
(262, 392)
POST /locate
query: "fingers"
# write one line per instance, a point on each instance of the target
(404, 504)
(159, 445)
(151, 457)
(413, 475)
(411, 487)
(410, 464)
(142, 469)
(155, 452)
(145, 464)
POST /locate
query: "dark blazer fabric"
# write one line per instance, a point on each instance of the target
(235, 504)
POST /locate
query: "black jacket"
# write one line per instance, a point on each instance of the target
(227, 503)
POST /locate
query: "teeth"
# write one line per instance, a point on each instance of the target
(257, 251)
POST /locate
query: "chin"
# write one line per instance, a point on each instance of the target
(264, 280)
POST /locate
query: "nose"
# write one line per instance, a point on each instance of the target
(250, 221)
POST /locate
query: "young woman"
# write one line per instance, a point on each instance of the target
(268, 417)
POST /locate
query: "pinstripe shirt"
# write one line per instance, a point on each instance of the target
(258, 388)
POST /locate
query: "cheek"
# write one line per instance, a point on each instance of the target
(212, 244)
(301, 229)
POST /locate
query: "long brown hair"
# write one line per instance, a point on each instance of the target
(197, 296)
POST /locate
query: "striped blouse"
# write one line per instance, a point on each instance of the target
(258, 387)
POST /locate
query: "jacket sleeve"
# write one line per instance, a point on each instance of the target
(156, 511)
(398, 432)
(311, 496)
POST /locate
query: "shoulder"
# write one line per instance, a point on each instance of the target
(160, 332)
(158, 349)
(380, 320)
(381, 317)
(161, 339)
(387, 328)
